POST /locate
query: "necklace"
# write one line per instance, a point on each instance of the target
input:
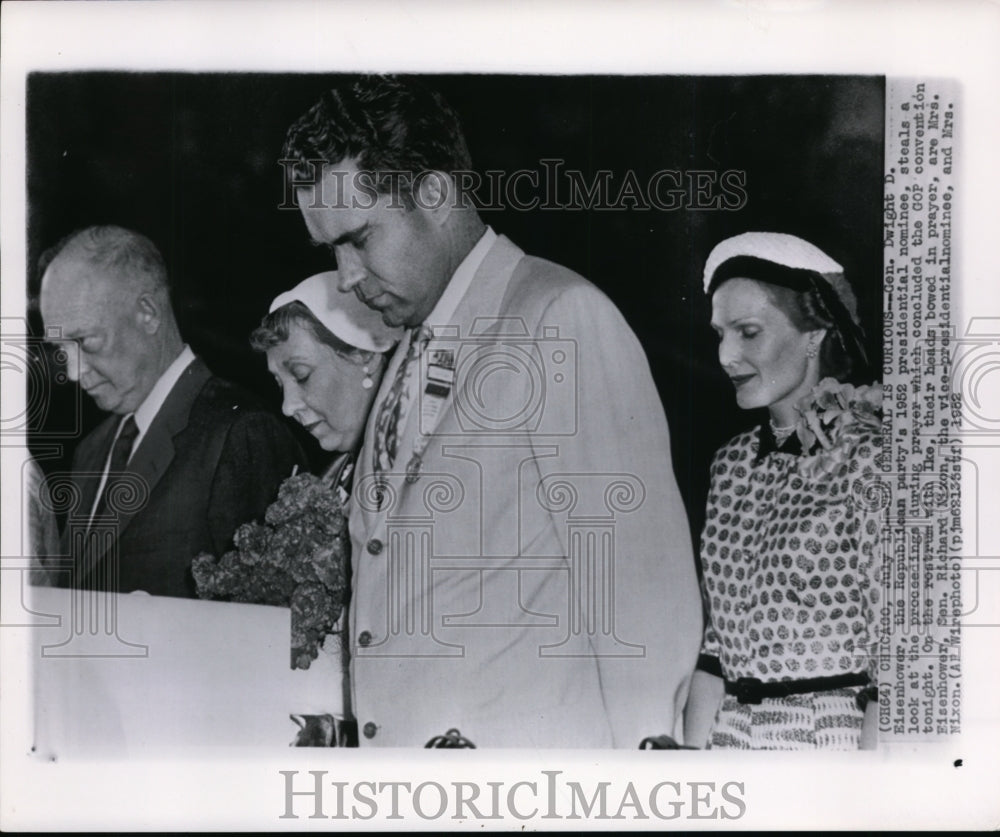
(781, 433)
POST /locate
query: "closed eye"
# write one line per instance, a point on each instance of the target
(300, 372)
(356, 240)
(355, 237)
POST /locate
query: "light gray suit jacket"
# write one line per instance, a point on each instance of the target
(532, 584)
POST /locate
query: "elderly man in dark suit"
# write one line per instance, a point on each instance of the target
(185, 457)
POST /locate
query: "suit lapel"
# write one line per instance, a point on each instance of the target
(156, 450)
(480, 305)
(88, 467)
(475, 317)
(95, 465)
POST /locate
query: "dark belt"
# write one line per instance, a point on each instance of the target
(752, 690)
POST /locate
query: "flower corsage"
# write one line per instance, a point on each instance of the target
(297, 559)
(832, 418)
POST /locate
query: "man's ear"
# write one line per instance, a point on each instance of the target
(434, 194)
(149, 313)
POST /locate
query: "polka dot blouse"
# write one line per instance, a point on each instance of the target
(789, 562)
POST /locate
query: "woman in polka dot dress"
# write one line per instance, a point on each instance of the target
(790, 546)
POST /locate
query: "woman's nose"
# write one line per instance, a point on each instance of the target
(728, 354)
(290, 403)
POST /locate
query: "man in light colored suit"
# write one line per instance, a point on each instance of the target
(522, 569)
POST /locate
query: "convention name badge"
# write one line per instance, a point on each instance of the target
(439, 379)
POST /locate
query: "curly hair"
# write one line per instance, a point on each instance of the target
(274, 329)
(391, 128)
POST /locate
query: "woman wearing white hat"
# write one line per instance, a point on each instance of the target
(327, 351)
(789, 549)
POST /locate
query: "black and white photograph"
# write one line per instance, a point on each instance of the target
(358, 407)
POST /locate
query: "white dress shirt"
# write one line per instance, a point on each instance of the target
(147, 410)
(460, 281)
(446, 306)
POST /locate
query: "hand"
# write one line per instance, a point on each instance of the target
(869, 727)
(315, 731)
(703, 704)
(662, 742)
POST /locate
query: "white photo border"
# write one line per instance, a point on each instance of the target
(942, 785)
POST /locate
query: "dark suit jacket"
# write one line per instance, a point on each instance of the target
(212, 459)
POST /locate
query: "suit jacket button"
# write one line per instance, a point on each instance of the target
(374, 546)
(365, 638)
(369, 730)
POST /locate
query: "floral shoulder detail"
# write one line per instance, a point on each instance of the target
(834, 420)
(297, 558)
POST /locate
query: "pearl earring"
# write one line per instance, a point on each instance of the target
(367, 383)
(811, 351)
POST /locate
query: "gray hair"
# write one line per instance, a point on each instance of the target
(120, 251)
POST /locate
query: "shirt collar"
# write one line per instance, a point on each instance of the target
(460, 281)
(766, 443)
(147, 410)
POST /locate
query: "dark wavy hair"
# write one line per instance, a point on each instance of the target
(393, 128)
(807, 312)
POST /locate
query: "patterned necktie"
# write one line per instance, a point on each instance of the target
(393, 409)
(343, 486)
(120, 454)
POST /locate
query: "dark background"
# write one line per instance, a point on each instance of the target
(191, 161)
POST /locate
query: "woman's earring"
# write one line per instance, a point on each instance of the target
(811, 351)
(367, 382)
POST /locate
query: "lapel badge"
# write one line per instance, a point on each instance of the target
(440, 373)
(443, 358)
